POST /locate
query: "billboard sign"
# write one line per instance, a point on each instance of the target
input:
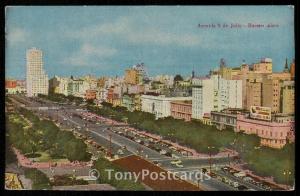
(261, 113)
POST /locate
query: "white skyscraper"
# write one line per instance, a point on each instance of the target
(215, 94)
(202, 97)
(36, 78)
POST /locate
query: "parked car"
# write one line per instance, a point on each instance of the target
(247, 179)
(163, 152)
(242, 188)
(168, 154)
(179, 165)
(239, 174)
(204, 170)
(235, 184)
(176, 162)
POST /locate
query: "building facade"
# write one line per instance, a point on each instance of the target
(181, 110)
(272, 134)
(288, 97)
(202, 97)
(59, 85)
(90, 94)
(159, 105)
(271, 94)
(36, 78)
(132, 76)
(229, 94)
(264, 66)
(253, 93)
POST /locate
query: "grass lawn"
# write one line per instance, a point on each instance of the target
(45, 157)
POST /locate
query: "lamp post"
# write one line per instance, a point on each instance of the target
(209, 148)
(110, 147)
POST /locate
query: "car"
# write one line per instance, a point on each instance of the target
(239, 174)
(156, 163)
(65, 119)
(163, 152)
(124, 147)
(172, 148)
(204, 170)
(157, 149)
(225, 180)
(242, 188)
(168, 154)
(178, 165)
(213, 175)
(235, 184)
(97, 123)
(138, 140)
(120, 152)
(247, 179)
(176, 162)
(225, 168)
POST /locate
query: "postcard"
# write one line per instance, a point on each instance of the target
(150, 98)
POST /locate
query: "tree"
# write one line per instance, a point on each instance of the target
(76, 150)
(106, 104)
(178, 78)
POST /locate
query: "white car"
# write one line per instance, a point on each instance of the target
(176, 162)
(178, 165)
(163, 152)
(120, 152)
(235, 184)
(240, 174)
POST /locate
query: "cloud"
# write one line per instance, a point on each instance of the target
(163, 38)
(93, 31)
(89, 55)
(125, 28)
(16, 35)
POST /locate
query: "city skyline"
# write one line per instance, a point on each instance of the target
(108, 40)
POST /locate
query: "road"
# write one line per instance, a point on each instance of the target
(102, 135)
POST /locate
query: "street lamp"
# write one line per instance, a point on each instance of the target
(209, 148)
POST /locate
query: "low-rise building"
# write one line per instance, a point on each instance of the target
(181, 110)
(90, 94)
(206, 119)
(272, 133)
(131, 102)
(59, 85)
(225, 118)
(159, 105)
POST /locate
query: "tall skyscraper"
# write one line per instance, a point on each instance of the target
(36, 78)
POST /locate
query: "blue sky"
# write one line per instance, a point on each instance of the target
(105, 40)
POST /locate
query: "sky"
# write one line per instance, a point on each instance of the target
(106, 40)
